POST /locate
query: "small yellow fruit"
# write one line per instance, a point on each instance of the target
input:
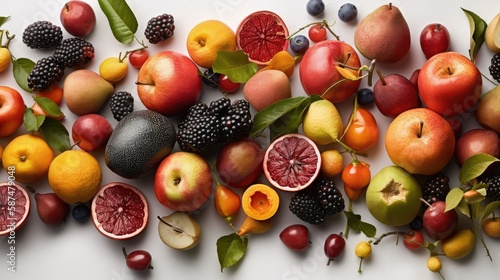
(332, 163)
(491, 227)
(363, 249)
(4, 58)
(434, 264)
(113, 70)
(459, 244)
(322, 122)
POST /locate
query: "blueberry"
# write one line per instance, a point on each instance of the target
(348, 12)
(210, 78)
(365, 97)
(417, 223)
(81, 212)
(299, 44)
(315, 7)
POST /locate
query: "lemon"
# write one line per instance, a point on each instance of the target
(4, 58)
(75, 176)
(434, 264)
(491, 226)
(113, 70)
(29, 156)
(206, 39)
(332, 163)
(459, 244)
(322, 122)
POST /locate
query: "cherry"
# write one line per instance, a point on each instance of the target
(317, 33)
(139, 260)
(334, 246)
(138, 57)
(295, 237)
(413, 240)
(226, 85)
(434, 39)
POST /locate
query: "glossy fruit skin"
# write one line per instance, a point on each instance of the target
(334, 246)
(226, 85)
(315, 7)
(51, 209)
(365, 97)
(78, 18)
(299, 44)
(138, 57)
(439, 224)
(227, 202)
(317, 33)
(477, 141)
(413, 242)
(295, 237)
(91, 132)
(363, 132)
(348, 12)
(395, 94)
(356, 175)
(139, 260)
(11, 110)
(434, 39)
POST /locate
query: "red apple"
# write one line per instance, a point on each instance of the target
(437, 223)
(477, 141)
(239, 162)
(11, 110)
(449, 84)
(91, 132)
(78, 18)
(168, 83)
(395, 94)
(434, 39)
(421, 141)
(183, 181)
(318, 73)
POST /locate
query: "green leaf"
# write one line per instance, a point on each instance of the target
(464, 208)
(55, 134)
(355, 223)
(49, 106)
(21, 68)
(3, 20)
(235, 65)
(488, 209)
(453, 198)
(368, 229)
(32, 122)
(121, 19)
(475, 166)
(270, 114)
(231, 249)
(290, 122)
(477, 211)
(477, 30)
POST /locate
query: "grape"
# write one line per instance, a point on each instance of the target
(315, 7)
(334, 246)
(348, 12)
(365, 96)
(299, 44)
(80, 212)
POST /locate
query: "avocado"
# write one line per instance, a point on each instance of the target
(139, 143)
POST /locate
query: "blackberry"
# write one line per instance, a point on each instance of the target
(220, 106)
(198, 130)
(493, 189)
(329, 197)
(495, 67)
(436, 188)
(42, 35)
(121, 104)
(160, 28)
(305, 206)
(46, 71)
(74, 52)
(237, 123)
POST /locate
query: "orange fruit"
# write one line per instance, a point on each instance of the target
(13, 220)
(491, 227)
(251, 225)
(261, 35)
(332, 163)
(113, 70)
(206, 39)
(119, 211)
(4, 58)
(54, 93)
(75, 176)
(30, 157)
(260, 202)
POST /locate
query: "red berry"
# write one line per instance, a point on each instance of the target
(226, 85)
(295, 237)
(334, 246)
(138, 57)
(138, 260)
(317, 33)
(413, 241)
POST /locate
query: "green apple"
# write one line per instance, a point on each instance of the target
(393, 196)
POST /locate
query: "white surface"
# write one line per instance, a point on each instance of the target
(78, 251)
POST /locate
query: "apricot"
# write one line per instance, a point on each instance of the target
(260, 202)
(266, 88)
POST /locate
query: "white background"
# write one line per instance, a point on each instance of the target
(78, 251)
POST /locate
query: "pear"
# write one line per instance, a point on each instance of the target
(322, 122)
(487, 111)
(383, 35)
(86, 92)
(492, 34)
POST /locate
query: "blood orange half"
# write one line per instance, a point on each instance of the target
(14, 207)
(261, 35)
(119, 211)
(292, 162)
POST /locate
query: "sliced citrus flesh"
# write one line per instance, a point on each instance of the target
(292, 162)
(261, 35)
(119, 211)
(14, 207)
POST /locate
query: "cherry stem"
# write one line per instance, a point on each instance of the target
(124, 252)
(360, 263)
(323, 23)
(440, 274)
(397, 232)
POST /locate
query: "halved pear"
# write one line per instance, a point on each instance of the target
(492, 35)
(179, 231)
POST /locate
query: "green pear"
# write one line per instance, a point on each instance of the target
(487, 111)
(383, 35)
(86, 92)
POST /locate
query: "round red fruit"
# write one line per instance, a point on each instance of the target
(434, 39)
(317, 33)
(138, 57)
(226, 85)
(413, 240)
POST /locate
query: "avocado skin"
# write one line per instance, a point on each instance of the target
(139, 142)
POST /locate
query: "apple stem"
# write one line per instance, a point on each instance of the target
(420, 130)
(390, 5)
(67, 7)
(381, 76)
(427, 203)
(438, 27)
(449, 71)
